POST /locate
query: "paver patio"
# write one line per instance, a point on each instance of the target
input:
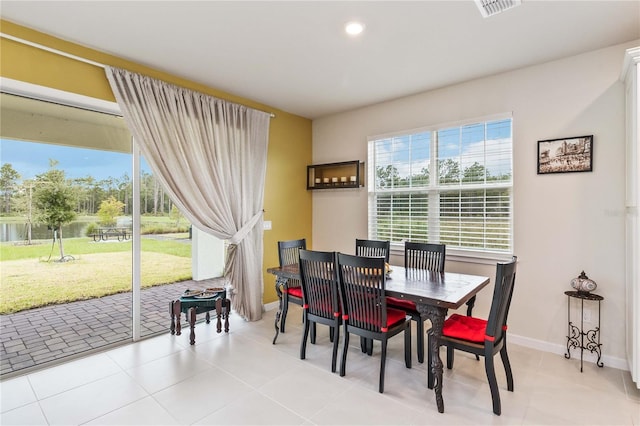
(38, 336)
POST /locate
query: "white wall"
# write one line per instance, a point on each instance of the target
(563, 223)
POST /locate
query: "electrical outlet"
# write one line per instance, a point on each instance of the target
(586, 315)
(266, 225)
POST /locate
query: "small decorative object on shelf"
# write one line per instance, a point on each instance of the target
(583, 284)
(348, 174)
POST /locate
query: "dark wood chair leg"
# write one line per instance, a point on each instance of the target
(331, 334)
(407, 346)
(305, 335)
(345, 347)
(470, 304)
(336, 338)
(507, 367)
(420, 340)
(313, 331)
(493, 383)
(449, 357)
(383, 362)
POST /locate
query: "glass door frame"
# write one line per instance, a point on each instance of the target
(42, 93)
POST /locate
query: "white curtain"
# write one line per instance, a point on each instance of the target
(210, 156)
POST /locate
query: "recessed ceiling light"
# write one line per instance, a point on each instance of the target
(354, 28)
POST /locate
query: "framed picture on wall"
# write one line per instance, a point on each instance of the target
(565, 155)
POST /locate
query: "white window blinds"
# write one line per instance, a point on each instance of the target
(451, 185)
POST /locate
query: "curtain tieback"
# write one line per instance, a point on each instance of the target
(246, 228)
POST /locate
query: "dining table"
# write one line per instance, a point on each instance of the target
(434, 293)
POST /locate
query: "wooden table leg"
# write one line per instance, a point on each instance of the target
(219, 315)
(207, 317)
(227, 309)
(176, 313)
(172, 327)
(437, 316)
(192, 325)
(280, 284)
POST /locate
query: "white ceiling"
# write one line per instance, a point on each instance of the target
(295, 56)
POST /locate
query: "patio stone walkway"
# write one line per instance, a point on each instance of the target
(38, 336)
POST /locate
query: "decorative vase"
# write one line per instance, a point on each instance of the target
(583, 284)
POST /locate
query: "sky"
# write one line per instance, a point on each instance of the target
(466, 145)
(30, 159)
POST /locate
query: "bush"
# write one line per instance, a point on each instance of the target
(163, 229)
(92, 228)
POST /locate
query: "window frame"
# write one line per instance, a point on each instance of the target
(434, 189)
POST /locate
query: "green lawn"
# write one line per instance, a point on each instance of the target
(99, 269)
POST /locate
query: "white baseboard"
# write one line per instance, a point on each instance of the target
(608, 361)
(271, 306)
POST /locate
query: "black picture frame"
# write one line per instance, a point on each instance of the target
(565, 155)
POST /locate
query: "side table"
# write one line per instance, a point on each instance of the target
(576, 335)
(191, 306)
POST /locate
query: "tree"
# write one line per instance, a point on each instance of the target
(176, 214)
(109, 210)
(55, 200)
(387, 176)
(475, 173)
(8, 179)
(448, 171)
(23, 204)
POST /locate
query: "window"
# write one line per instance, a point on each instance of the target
(448, 184)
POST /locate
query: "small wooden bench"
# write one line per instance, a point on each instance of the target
(191, 306)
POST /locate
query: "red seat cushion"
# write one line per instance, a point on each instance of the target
(394, 316)
(465, 328)
(407, 305)
(295, 291)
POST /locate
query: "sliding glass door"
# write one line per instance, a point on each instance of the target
(92, 249)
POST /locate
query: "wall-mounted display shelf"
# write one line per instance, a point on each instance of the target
(348, 174)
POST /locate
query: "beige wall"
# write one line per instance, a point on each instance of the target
(287, 203)
(563, 223)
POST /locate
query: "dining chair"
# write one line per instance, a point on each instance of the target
(321, 303)
(483, 337)
(373, 248)
(288, 254)
(364, 308)
(420, 256)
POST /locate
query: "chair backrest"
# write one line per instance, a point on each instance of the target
(319, 277)
(424, 256)
(362, 285)
(288, 251)
(502, 292)
(373, 248)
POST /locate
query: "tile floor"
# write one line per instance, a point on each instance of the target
(240, 378)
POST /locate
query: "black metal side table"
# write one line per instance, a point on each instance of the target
(576, 335)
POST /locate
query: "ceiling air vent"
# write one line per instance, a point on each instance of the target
(492, 7)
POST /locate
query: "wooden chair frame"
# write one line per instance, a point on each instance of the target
(321, 303)
(364, 307)
(495, 335)
(288, 254)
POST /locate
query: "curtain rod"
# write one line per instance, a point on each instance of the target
(68, 55)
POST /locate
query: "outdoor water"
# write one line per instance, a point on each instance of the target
(18, 231)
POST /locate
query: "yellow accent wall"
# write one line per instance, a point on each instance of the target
(287, 203)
